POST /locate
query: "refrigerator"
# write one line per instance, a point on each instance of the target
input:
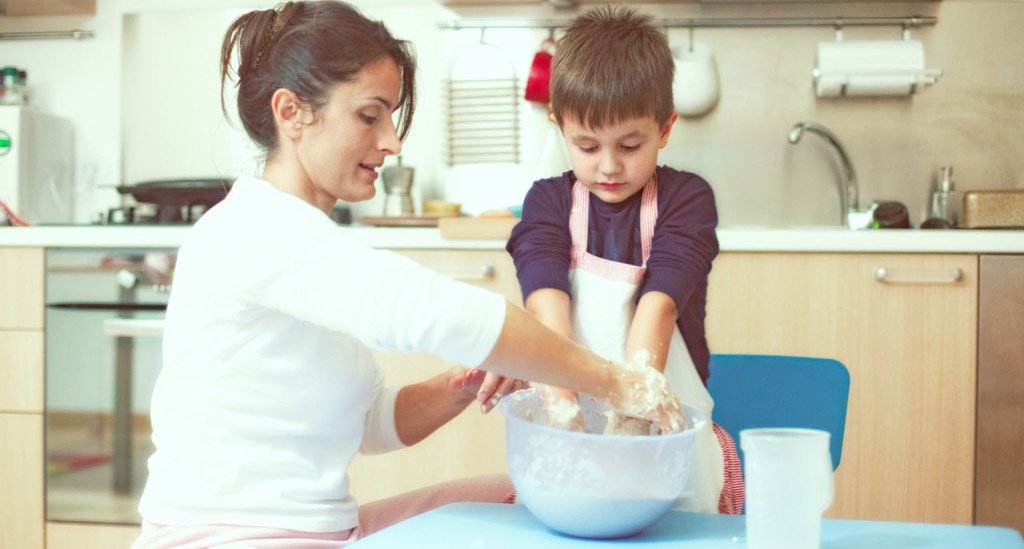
(37, 165)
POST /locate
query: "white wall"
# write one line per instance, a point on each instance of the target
(973, 118)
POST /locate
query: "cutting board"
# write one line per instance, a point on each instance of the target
(477, 228)
(401, 220)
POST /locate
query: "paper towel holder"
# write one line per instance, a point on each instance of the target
(871, 67)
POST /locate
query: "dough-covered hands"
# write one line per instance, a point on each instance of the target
(562, 407)
(643, 392)
(636, 393)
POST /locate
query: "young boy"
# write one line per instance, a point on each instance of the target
(615, 254)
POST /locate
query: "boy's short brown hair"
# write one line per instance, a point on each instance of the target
(612, 64)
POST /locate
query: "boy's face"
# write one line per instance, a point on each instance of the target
(615, 161)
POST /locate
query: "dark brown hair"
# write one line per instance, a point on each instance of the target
(306, 47)
(612, 64)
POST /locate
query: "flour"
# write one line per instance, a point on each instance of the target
(564, 413)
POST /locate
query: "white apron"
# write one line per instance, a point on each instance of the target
(604, 295)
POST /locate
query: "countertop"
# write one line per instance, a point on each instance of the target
(731, 239)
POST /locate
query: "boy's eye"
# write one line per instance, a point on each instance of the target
(588, 149)
(630, 148)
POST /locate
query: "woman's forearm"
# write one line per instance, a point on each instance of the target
(526, 349)
(421, 408)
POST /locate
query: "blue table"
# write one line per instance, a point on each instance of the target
(496, 526)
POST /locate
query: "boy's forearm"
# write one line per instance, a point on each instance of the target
(653, 325)
(552, 308)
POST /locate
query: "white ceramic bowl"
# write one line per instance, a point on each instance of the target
(589, 484)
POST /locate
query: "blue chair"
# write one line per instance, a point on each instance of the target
(753, 391)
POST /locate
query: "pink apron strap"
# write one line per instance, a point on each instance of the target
(648, 216)
(579, 218)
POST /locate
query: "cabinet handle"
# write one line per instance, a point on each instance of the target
(918, 276)
(482, 273)
(128, 327)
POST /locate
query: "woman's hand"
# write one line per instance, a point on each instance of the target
(487, 387)
(494, 387)
(465, 380)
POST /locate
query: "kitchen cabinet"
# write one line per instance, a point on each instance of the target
(910, 346)
(61, 535)
(21, 397)
(21, 288)
(471, 444)
(47, 7)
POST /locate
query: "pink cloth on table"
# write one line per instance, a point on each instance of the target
(373, 516)
(157, 536)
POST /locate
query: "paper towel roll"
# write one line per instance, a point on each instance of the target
(871, 67)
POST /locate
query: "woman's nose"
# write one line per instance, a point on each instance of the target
(390, 143)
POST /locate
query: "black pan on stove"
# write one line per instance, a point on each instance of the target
(172, 196)
(179, 192)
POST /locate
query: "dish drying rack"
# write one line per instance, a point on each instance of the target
(483, 107)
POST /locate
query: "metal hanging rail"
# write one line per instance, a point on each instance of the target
(712, 22)
(76, 34)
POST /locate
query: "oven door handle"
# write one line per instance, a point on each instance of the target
(133, 327)
(99, 306)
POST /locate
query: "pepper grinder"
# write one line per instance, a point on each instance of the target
(946, 201)
(397, 186)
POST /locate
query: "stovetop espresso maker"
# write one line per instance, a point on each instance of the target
(397, 186)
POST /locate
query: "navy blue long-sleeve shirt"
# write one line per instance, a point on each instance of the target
(682, 249)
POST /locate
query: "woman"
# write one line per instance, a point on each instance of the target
(268, 387)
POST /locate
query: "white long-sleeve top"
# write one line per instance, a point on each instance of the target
(268, 387)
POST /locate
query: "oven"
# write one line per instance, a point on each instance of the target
(104, 319)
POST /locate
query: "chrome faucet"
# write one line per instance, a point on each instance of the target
(848, 202)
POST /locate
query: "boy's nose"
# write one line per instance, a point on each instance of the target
(610, 164)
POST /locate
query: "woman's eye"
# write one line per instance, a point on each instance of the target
(368, 119)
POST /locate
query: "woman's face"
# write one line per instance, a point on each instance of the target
(342, 149)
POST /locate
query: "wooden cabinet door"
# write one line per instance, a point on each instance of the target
(910, 346)
(21, 371)
(21, 392)
(66, 535)
(471, 444)
(21, 481)
(21, 288)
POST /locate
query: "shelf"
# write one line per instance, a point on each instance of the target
(47, 7)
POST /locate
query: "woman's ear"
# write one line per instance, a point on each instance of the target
(666, 130)
(290, 113)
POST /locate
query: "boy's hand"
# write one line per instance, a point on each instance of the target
(641, 391)
(562, 407)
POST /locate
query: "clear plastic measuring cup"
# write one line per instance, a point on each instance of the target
(788, 477)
